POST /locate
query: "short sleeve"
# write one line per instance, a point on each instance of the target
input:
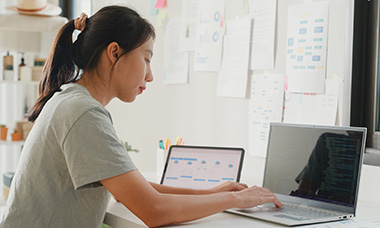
(92, 150)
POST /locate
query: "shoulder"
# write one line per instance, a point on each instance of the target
(68, 106)
(74, 100)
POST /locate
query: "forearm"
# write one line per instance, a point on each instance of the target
(182, 208)
(183, 191)
(157, 209)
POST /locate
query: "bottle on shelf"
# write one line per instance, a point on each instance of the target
(37, 68)
(24, 72)
(8, 67)
(20, 66)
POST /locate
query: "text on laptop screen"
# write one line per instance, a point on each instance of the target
(202, 168)
(314, 162)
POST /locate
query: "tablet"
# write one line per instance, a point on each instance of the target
(201, 167)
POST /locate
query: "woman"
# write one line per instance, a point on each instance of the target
(72, 158)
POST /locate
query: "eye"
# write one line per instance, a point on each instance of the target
(147, 60)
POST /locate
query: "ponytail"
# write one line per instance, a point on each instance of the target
(59, 69)
(110, 24)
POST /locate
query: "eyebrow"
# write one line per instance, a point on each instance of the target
(151, 52)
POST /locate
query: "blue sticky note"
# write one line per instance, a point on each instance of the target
(153, 10)
(318, 29)
(302, 30)
(290, 41)
(316, 58)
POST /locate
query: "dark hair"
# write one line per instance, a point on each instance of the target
(110, 24)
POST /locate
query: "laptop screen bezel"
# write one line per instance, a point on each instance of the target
(174, 147)
(312, 202)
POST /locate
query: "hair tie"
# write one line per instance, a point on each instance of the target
(80, 22)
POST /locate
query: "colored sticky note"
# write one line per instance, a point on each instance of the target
(160, 4)
(153, 10)
(161, 16)
(245, 7)
(187, 31)
(300, 49)
(162, 13)
(286, 82)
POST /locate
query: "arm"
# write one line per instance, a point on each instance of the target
(225, 187)
(156, 209)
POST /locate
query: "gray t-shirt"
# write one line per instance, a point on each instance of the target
(71, 147)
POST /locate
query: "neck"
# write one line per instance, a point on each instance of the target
(96, 86)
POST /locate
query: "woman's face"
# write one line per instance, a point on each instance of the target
(132, 72)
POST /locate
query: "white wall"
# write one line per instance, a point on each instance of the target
(193, 110)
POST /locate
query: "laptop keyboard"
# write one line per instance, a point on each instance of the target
(302, 212)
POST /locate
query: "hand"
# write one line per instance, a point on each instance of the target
(228, 186)
(253, 196)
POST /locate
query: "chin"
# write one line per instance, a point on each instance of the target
(128, 99)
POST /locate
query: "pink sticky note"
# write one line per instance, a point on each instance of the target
(160, 4)
(221, 21)
(286, 82)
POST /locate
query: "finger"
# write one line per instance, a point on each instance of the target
(267, 194)
(83, 16)
(240, 186)
(244, 185)
(278, 203)
(255, 187)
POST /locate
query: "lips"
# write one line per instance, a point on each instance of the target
(142, 89)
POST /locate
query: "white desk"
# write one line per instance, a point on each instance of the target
(119, 216)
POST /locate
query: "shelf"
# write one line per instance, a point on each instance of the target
(20, 82)
(17, 22)
(12, 143)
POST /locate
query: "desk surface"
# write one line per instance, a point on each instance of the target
(119, 216)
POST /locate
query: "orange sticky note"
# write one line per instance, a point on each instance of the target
(160, 4)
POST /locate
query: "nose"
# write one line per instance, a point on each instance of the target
(149, 75)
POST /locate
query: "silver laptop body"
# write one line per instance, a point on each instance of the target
(314, 171)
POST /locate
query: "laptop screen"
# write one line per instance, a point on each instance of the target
(202, 167)
(315, 162)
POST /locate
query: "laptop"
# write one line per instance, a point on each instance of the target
(202, 167)
(314, 171)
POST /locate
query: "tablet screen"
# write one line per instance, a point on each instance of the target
(202, 167)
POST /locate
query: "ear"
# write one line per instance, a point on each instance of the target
(113, 52)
